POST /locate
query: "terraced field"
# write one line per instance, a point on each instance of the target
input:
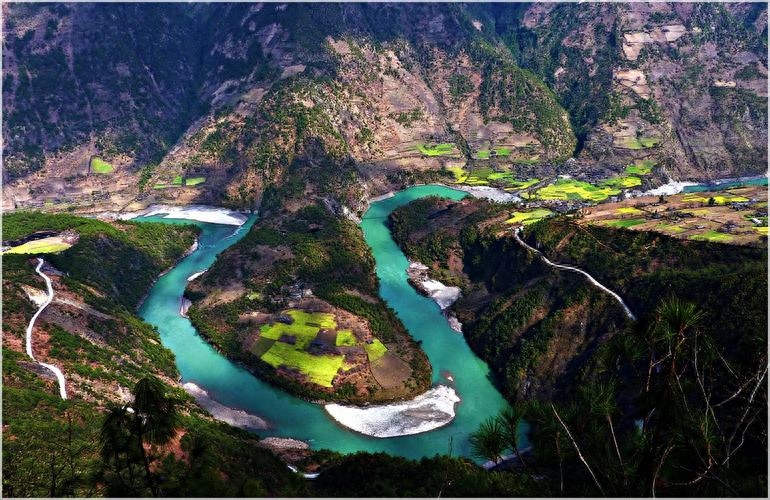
(737, 216)
(307, 342)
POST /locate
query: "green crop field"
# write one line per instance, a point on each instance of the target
(375, 350)
(40, 246)
(640, 167)
(514, 185)
(177, 180)
(672, 228)
(500, 176)
(304, 328)
(194, 181)
(479, 176)
(502, 151)
(320, 370)
(629, 211)
(99, 166)
(622, 182)
(529, 217)
(569, 189)
(712, 235)
(482, 155)
(718, 200)
(346, 338)
(669, 228)
(459, 172)
(438, 150)
(624, 222)
(640, 142)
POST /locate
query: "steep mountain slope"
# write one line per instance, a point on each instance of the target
(211, 102)
(54, 447)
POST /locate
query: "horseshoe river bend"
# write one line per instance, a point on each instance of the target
(233, 389)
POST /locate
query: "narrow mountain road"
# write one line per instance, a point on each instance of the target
(31, 326)
(575, 269)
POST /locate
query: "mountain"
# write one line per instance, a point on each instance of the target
(216, 102)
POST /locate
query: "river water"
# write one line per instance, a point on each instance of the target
(288, 416)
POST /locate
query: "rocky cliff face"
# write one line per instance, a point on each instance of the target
(218, 102)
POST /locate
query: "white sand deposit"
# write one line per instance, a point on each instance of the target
(237, 418)
(491, 193)
(428, 411)
(201, 213)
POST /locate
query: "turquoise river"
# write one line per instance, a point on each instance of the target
(235, 387)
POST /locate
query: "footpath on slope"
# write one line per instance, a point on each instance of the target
(30, 327)
(575, 269)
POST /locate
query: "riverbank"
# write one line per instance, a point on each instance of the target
(428, 411)
(232, 416)
(443, 295)
(200, 213)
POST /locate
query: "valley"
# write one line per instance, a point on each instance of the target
(443, 249)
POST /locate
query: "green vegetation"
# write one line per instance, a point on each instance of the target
(346, 338)
(382, 476)
(530, 217)
(629, 211)
(502, 151)
(640, 142)
(320, 370)
(375, 350)
(482, 154)
(39, 247)
(194, 181)
(99, 166)
(624, 222)
(622, 182)
(177, 181)
(510, 93)
(479, 176)
(519, 185)
(297, 336)
(304, 328)
(146, 174)
(89, 451)
(711, 235)
(640, 167)
(570, 189)
(130, 255)
(459, 86)
(459, 173)
(437, 150)
(669, 228)
(325, 253)
(407, 118)
(718, 199)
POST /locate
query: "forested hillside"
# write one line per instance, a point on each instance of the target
(219, 102)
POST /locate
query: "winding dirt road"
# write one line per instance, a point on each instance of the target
(575, 269)
(31, 326)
